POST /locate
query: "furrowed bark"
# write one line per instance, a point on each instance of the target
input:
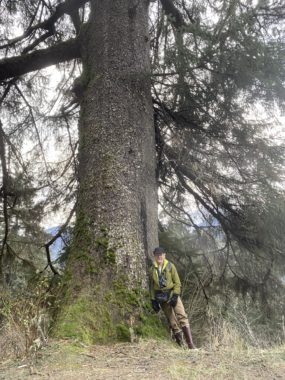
(117, 160)
(116, 223)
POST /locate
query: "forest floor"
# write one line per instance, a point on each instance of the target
(155, 360)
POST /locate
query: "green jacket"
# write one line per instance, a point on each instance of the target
(169, 273)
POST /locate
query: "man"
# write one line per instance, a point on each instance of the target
(165, 294)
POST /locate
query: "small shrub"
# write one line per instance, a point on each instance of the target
(25, 319)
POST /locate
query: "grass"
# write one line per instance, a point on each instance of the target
(230, 363)
(148, 359)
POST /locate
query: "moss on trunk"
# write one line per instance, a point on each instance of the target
(104, 315)
(116, 222)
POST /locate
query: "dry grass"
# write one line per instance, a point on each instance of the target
(12, 341)
(226, 355)
(24, 322)
(147, 360)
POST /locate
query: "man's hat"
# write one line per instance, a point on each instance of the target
(158, 251)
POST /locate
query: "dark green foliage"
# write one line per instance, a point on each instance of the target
(238, 288)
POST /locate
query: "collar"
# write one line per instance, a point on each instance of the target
(163, 266)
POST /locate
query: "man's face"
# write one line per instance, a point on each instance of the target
(159, 258)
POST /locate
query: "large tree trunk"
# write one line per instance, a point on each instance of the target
(116, 227)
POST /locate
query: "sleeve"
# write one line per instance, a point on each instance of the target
(176, 280)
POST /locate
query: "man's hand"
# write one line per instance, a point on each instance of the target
(173, 300)
(155, 306)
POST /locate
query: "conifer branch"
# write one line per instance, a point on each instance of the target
(3, 190)
(56, 236)
(39, 59)
(175, 15)
(67, 7)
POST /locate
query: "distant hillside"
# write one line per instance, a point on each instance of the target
(57, 245)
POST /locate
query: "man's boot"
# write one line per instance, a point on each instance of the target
(179, 338)
(188, 337)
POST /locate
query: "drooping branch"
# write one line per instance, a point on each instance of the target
(3, 191)
(12, 251)
(277, 12)
(57, 235)
(20, 65)
(233, 221)
(42, 38)
(175, 15)
(206, 198)
(174, 157)
(67, 7)
(7, 89)
(36, 128)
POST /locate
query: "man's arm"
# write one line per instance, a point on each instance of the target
(176, 280)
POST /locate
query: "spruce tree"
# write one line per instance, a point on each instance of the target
(184, 96)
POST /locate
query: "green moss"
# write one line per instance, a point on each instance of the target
(115, 313)
(98, 309)
(82, 228)
(110, 256)
(86, 320)
(123, 332)
(108, 251)
(127, 299)
(150, 326)
(76, 321)
(93, 319)
(81, 244)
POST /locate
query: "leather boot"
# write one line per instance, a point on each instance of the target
(188, 337)
(179, 338)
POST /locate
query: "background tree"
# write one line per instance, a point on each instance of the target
(213, 65)
(223, 297)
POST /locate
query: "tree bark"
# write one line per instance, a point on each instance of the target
(116, 226)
